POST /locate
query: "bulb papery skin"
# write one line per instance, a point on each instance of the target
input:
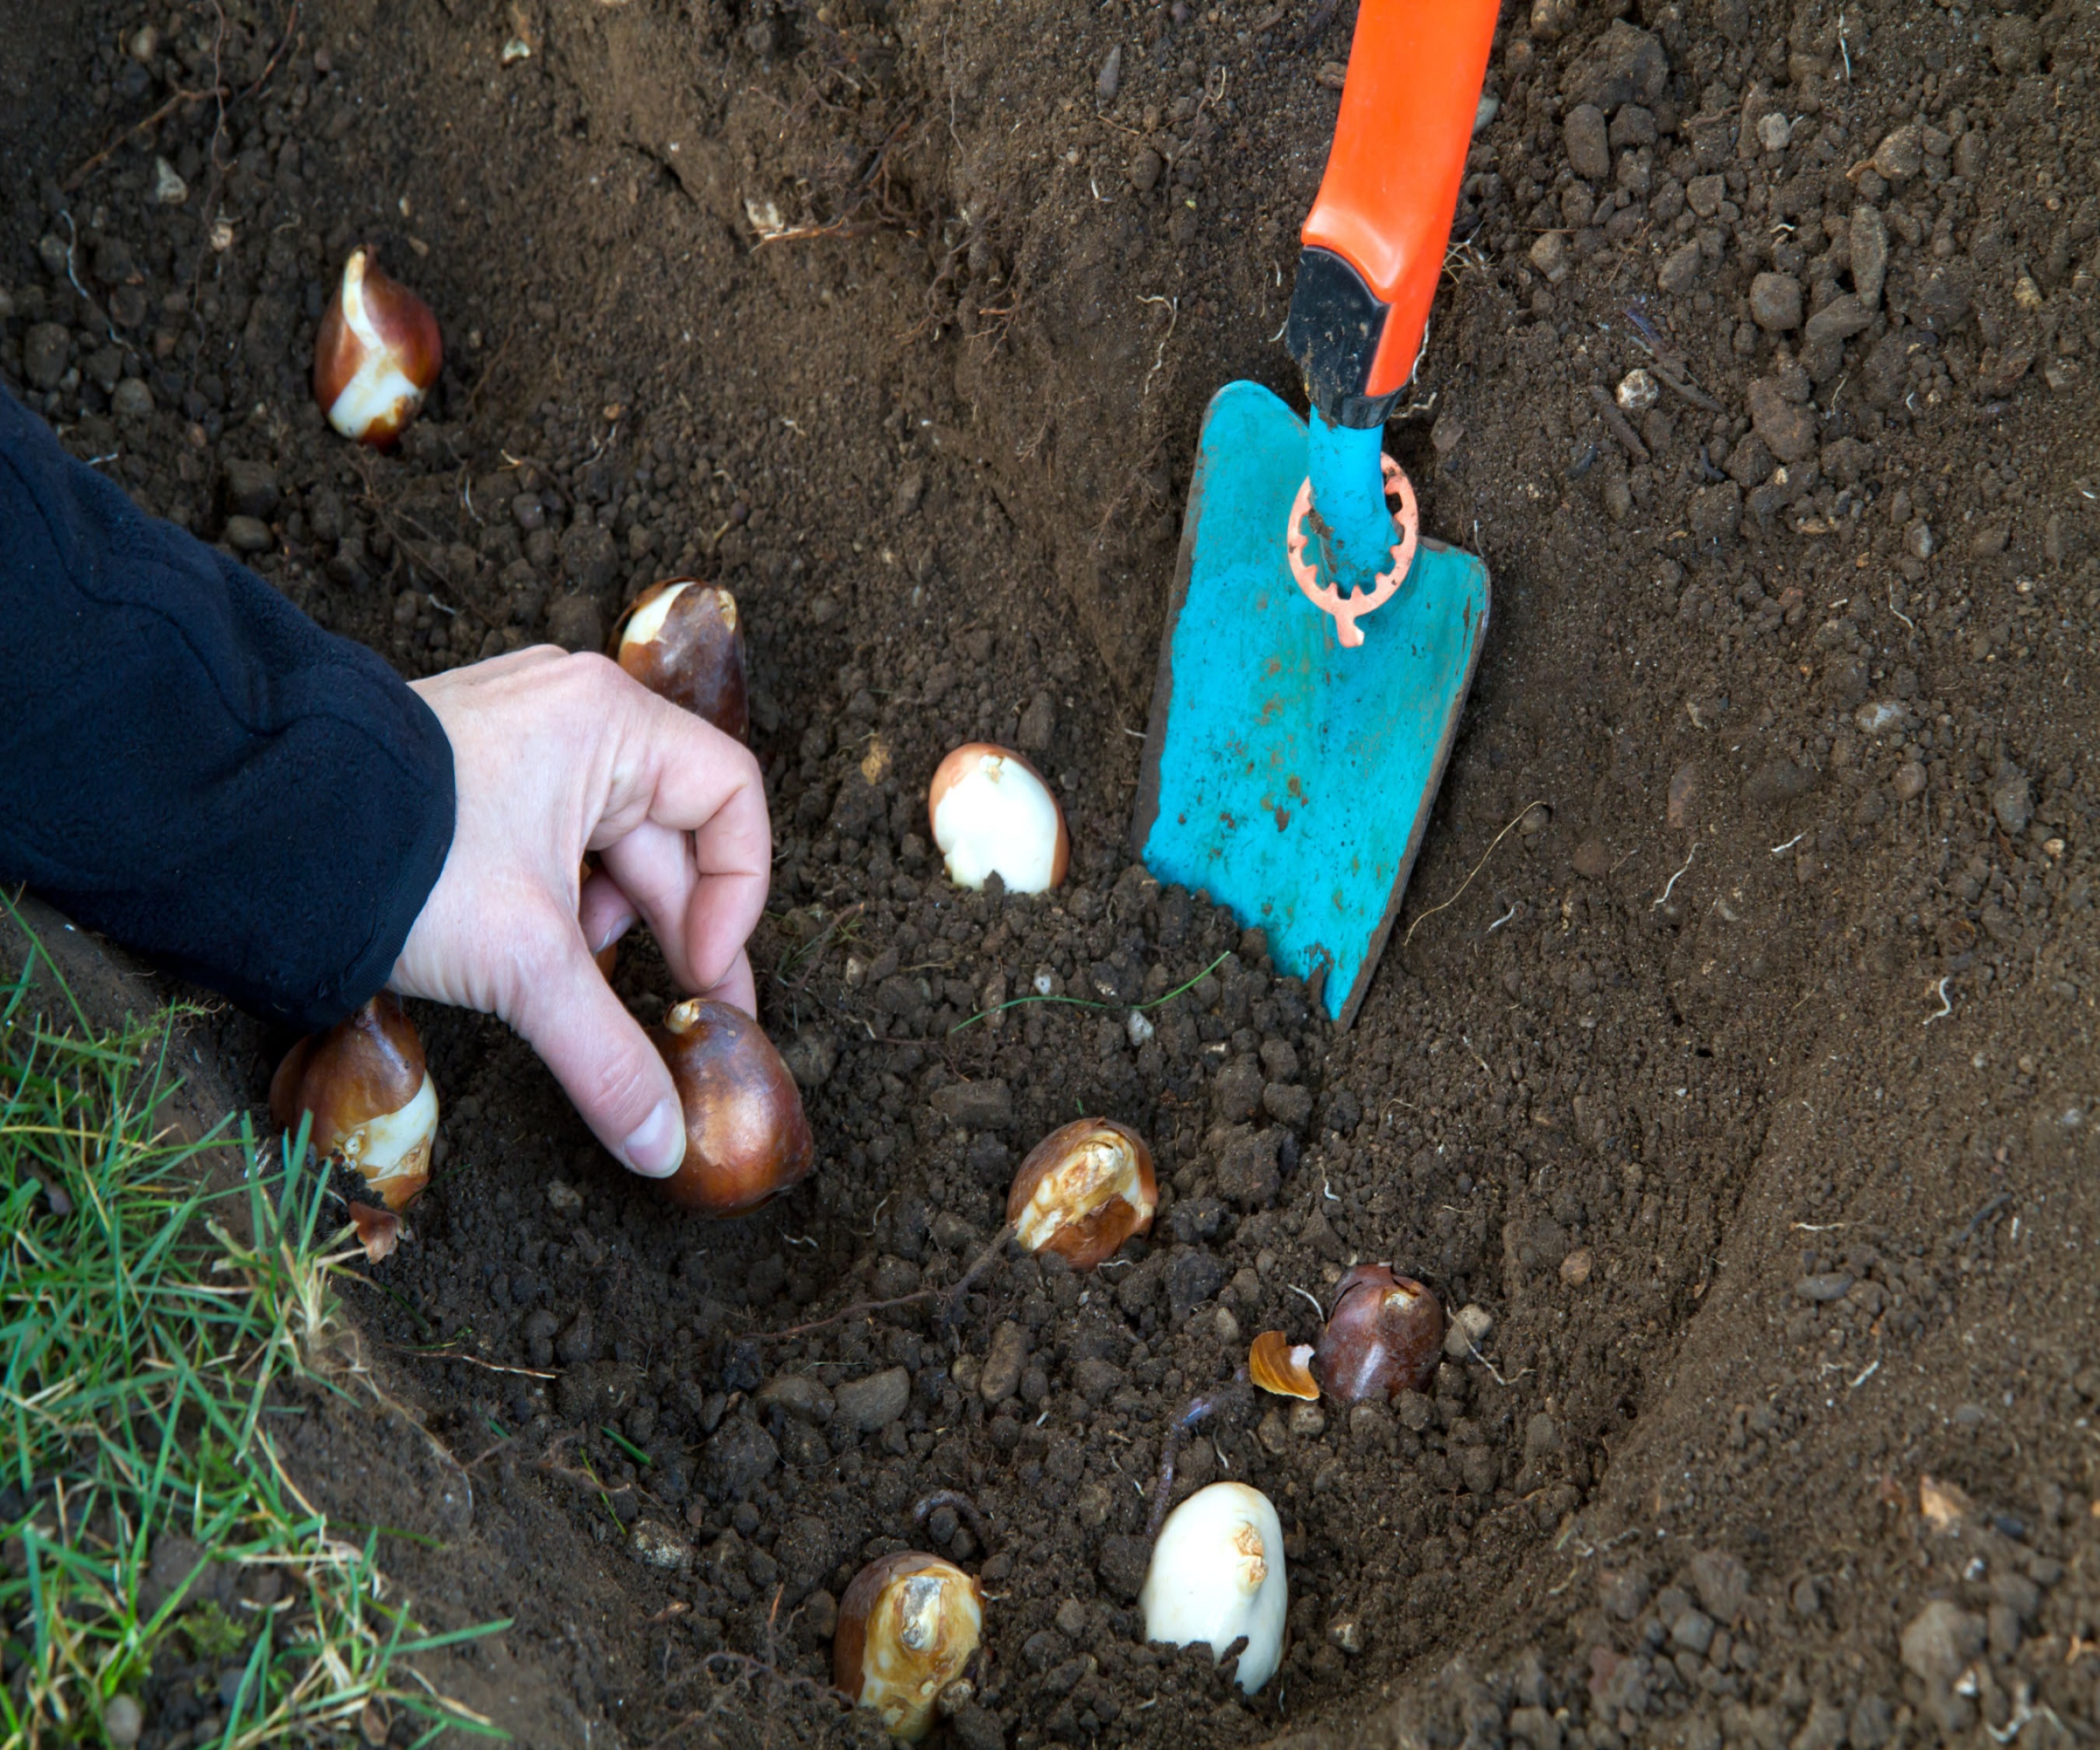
(1276, 1365)
(991, 813)
(908, 1625)
(684, 641)
(375, 1106)
(1217, 1573)
(1382, 1338)
(747, 1137)
(376, 355)
(1082, 1190)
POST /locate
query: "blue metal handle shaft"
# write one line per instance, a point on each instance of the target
(1349, 516)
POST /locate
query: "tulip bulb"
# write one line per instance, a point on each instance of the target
(376, 355)
(1276, 1365)
(1217, 1573)
(375, 1107)
(1082, 1190)
(683, 641)
(908, 1627)
(1381, 1338)
(747, 1138)
(992, 814)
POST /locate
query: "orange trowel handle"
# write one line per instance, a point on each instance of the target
(1375, 239)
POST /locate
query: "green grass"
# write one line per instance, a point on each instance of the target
(147, 1323)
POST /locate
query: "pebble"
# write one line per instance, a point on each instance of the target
(1637, 391)
(251, 488)
(1683, 792)
(1868, 237)
(1550, 256)
(2011, 802)
(1349, 1634)
(1693, 1631)
(1940, 1641)
(131, 399)
(169, 188)
(1842, 318)
(1901, 154)
(1910, 782)
(1704, 194)
(248, 535)
(123, 1720)
(1680, 270)
(1469, 1328)
(1005, 1362)
(44, 354)
(985, 1105)
(658, 1546)
(798, 1395)
(1621, 1592)
(875, 1401)
(1722, 1582)
(1588, 142)
(1775, 302)
(1774, 131)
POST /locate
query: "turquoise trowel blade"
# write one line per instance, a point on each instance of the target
(1288, 778)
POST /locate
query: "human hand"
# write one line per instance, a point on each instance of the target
(553, 755)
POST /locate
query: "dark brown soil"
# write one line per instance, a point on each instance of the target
(1746, 1086)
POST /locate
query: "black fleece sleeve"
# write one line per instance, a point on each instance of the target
(190, 764)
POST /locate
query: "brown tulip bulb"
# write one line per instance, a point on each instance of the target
(908, 1627)
(1381, 1338)
(683, 641)
(376, 355)
(375, 1107)
(1082, 1190)
(746, 1139)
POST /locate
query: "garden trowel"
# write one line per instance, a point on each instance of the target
(1318, 650)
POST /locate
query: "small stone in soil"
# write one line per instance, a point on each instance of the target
(875, 1401)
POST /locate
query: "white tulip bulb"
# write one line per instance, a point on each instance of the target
(991, 813)
(1217, 1573)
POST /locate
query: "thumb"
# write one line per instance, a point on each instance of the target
(617, 1079)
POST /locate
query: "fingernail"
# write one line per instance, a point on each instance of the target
(657, 1146)
(619, 928)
